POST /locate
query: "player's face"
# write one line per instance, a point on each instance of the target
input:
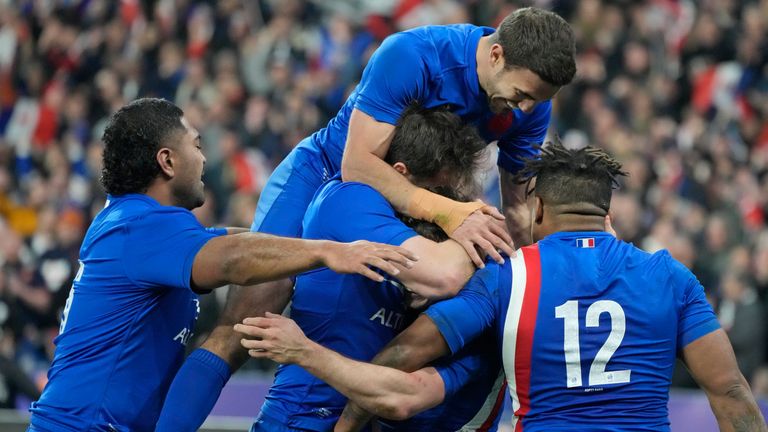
(189, 188)
(516, 88)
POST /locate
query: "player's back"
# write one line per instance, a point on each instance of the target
(609, 321)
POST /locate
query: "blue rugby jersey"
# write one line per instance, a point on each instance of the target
(128, 317)
(588, 328)
(350, 314)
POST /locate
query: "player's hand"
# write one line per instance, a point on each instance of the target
(279, 338)
(485, 230)
(359, 256)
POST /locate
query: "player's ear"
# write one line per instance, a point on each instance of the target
(401, 168)
(538, 216)
(165, 161)
(497, 55)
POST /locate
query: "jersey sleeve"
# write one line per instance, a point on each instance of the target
(464, 317)
(396, 76)
(355, 211)
(460, 370)
(696, 318)
(520, 140)
(161, 246)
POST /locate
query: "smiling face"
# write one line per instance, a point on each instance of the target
(512, 88)
(188, 188)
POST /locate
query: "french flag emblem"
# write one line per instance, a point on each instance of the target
(585, 242)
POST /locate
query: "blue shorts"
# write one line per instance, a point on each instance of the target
(289, 190)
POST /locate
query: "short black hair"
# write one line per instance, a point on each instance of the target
(430, 140)
(573, 176)
(132, 139)
(540, 41)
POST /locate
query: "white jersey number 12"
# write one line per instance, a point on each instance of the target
(569, 312)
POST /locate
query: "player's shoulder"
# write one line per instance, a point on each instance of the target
(429, 39)
(336, 189)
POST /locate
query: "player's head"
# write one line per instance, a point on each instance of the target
(432, 147)
(569, 189)
(530, 56)
(148, 143)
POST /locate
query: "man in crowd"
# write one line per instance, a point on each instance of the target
(133, 304)
(588, 327)
(500, 80)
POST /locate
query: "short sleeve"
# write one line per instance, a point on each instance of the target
(520, 140)
(396, 76)
(355, 211)
(464, 317)
(696, 317)
(161, 246)
(460, 370)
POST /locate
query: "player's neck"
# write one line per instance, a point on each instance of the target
(481, 60)
(570, 222)
(161, 193)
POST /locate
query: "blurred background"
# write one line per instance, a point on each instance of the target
(676, 89)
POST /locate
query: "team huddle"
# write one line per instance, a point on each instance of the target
(413, 305)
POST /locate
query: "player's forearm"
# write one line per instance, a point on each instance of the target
(365, 167)
(441, 272)
(399, 354)
(737, 410)
(383, 391)
(252, 258)
(515, 209)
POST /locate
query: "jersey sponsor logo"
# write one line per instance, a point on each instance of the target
(183, 336)
(388, 318)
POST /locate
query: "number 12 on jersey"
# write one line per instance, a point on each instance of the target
(569, 312)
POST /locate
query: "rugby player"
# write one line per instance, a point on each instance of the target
(133, 305)
(588, 327)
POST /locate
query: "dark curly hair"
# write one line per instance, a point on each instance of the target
(570, 176)
(430, 140)
(540, 41)
(132, 138)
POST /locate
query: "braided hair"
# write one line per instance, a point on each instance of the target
(573, 176)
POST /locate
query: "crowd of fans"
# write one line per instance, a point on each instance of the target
(677, 89)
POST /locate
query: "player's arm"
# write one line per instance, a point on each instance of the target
(413, 348)
(458, 320)
(251, 258)
(470, 223)
(516, 211)
(712, 363)
(443, 268)
(386, 392)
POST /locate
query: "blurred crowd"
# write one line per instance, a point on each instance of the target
(677, 89)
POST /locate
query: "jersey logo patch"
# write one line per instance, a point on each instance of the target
(585, 242)
(499, 123)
